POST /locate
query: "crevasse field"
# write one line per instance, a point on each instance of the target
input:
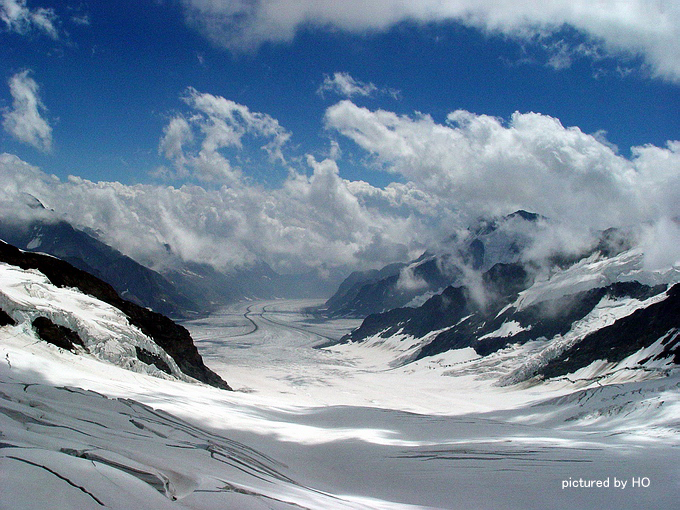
(335, 427)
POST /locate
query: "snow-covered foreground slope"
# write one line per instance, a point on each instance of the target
(323, 428)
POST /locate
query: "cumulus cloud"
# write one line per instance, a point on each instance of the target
(24, 120)
(220, 124)
(318, 221)
(19, 18)
(488, 166)
(635, 28)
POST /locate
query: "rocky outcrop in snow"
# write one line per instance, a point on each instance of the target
(602, 309)
(36, 287)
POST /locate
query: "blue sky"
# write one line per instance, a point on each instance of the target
(173, 92)
(109, 86)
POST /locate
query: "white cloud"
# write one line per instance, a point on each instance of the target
(220, 124)
(632, 27)
(21, 19)
(24, 120)
(409, 281)
(175, 136)
(319, 221)
(661, 243)
(472, 165)
(484, 165)
(344, 85)
(83, 19)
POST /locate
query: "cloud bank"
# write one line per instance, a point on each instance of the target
(24, 120)
(634, 28)
(319, 221)
(451, 173)
(530, 162)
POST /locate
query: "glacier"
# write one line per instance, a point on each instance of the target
(318, 424)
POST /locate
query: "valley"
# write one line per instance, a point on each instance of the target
(444, 404)
(313, 255)
(334, 427)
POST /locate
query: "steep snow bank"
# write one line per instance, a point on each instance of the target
(171, 337)
(105, 331)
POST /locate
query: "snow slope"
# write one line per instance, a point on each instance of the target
(79, 433)
(104, 329)
(594, 272)
(317, 428)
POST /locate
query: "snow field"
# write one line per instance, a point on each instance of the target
(319, 428)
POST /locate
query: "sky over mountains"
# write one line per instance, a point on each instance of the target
(338, 134)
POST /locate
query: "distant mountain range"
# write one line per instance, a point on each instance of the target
(184, 291)
(600, 306)
(490, 242)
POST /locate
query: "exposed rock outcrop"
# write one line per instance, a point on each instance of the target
(172, 338)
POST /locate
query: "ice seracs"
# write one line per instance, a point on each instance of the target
(106, 333)
(61, 304)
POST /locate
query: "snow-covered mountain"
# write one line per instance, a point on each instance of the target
(130, 279)
(47, 298)
(180, 290)
(489, 242)
(585, 315)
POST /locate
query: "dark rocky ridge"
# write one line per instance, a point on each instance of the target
(543, 320)
(346, 299)
(502, 281)
(364, 293)
(171, 337)
(130, 279)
